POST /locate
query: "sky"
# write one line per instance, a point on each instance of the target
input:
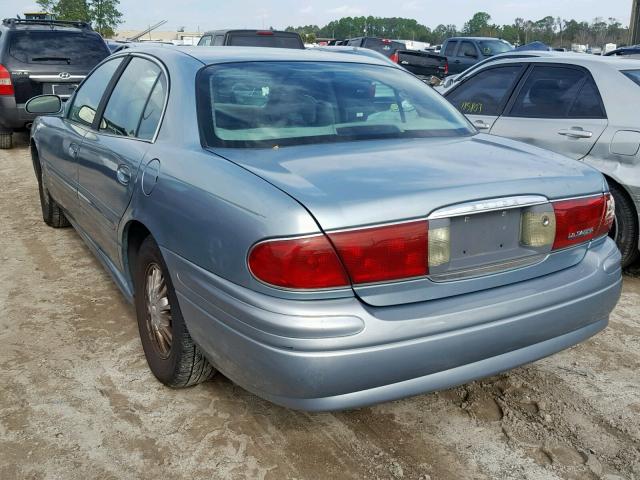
(212, 14)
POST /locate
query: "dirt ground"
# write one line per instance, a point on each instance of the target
(78, 402)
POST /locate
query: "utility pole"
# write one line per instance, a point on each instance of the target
(634, 26)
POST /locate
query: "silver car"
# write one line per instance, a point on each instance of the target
(583, 107)
(323, 228)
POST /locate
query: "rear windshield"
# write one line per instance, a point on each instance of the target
(633, 75)
(257, 40)
(494, 47)
(58, 48)
(264, 104)
(386, 47)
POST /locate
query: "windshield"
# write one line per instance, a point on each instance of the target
(58, 48)
(494, 47)
(287, 103)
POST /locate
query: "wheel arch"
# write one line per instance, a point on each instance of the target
(134, 233)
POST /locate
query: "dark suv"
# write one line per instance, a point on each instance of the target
(252, 38)
(39, 57)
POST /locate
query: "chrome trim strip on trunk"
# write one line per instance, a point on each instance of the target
(490, 205)
(57, 78)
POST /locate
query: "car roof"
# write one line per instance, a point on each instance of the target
(246, 30)
(580, 59)
(476, 38)
(220, 54)
(14, 24)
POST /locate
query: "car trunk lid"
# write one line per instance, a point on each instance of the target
(386, 181)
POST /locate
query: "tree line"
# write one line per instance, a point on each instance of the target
(103, 14)
(554, 31)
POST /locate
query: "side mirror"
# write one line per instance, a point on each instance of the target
(44, 105)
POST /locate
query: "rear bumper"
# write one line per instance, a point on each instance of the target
(337, 354)
(13, 116)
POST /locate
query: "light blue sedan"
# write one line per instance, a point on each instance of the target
(322, 228)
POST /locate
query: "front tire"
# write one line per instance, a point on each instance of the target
(172, 355)
(625, 229)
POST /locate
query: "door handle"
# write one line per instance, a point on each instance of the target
(456, 61)
(575, 132)
(123, 174)
(481, 125)
(73, 150)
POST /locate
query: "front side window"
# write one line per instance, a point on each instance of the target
(87, 98)
(555, 92)
(205, 41)
(284, 103)
(485, 92)
(129, 98)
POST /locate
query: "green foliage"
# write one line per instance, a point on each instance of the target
(104, 14)
(556, 32)
(72, 10)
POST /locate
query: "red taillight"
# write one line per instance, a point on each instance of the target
(580, 220)
(368, 255)
(298, 263)
(395, 58)
(385, 253)
(6, 87)
(446, 68)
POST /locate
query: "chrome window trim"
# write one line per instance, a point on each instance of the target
(164, 107)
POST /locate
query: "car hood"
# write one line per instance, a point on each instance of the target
(369, 182)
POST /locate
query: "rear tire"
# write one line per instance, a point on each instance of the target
(52, 213)
(172, 355)
(6, 141)
(625, 231)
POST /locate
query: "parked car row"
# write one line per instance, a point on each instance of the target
(583, 107)
(42, 57)
(322, 226)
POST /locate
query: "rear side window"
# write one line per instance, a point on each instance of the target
(87, 98)
(450, 49)
(633, 75)
(129, 98)
(588, 103)
(485, 92)
(153, 111)
(57, 48)
(263, 40)
(218, 40)
(558, 92)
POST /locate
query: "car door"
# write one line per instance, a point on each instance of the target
(450, 52)
(110, 156)
(482, 96)
(557, 107)
(60, 147)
